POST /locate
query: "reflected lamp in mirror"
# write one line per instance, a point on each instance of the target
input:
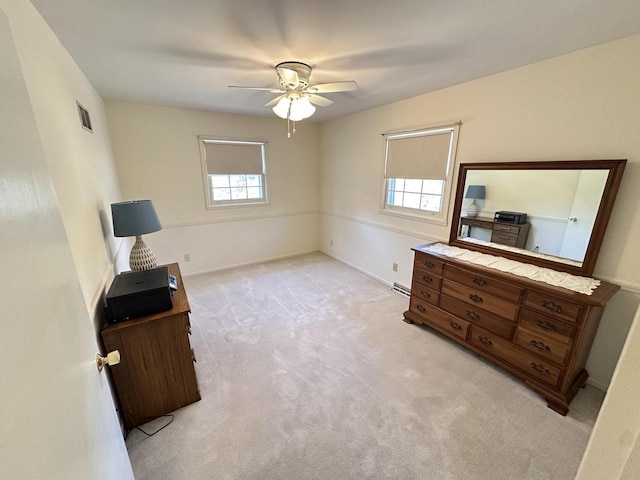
(134, 219)
(476, 192)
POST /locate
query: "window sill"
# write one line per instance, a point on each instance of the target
(221, 206)
(408, 215)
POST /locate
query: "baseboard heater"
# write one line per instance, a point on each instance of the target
(401, 289)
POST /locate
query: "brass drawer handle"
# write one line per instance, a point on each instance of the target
(540, 346)
(455, 326)
(421, 308)
(427, 279)
(429, 264)
(554, 307)
(546, 326)
(193, 356)
(503, 237)
(475, 298)
(485, 341)
(540, 369)
(425, 294)
(480, 282)
(472, 315)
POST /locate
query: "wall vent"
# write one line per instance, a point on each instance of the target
(401, 289)
(84, 118)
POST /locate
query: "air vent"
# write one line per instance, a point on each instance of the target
(401, 289)
(84, 118)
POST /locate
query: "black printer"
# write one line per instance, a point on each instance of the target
(516, 218)
(136, 294)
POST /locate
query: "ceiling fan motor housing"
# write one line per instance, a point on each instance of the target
(302, 70)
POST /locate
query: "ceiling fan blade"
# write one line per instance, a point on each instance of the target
(347, 86)
(320, 101)
(264, 89)
(288, 76)
(274, 101)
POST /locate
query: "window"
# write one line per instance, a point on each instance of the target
(234, 171)
(418, 171)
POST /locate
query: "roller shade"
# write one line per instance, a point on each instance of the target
(233, 158)
(418, 156)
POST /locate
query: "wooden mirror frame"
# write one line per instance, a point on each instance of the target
(615, 167)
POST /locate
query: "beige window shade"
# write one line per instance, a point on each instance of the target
(233, 158)
(418, 156)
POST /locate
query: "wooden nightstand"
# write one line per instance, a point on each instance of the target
(156, 374)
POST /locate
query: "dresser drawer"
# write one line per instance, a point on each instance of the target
(425, 293)
(479, 299)
(424, 261)
(541, 345)
(477, 316)
(552, 306)
(523, 360)
(430, 315)
(483, 283)
(506, 228)
(427, 278)
(504, 238)
(551, 328)
(420, 307)
(458, 327)
(475, 222)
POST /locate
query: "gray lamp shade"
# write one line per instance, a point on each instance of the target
(475, 191)
(137, 217)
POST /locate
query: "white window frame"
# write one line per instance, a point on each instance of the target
(212, 204)
(441, 217)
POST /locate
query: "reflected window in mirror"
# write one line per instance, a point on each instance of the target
(418, 173)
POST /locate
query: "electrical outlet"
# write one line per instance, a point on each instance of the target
(395, 267)
(187, 257)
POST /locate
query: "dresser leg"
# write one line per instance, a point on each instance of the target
(406, 320)
(560, 407)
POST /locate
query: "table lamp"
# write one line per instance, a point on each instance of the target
(477, 192)
(134, 219)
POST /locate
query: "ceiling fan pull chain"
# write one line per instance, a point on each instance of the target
(288, 128)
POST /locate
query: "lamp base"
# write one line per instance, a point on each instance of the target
(141, 257)
(473, 210)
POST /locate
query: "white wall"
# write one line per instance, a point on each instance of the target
(81, 163)
(614, 447)
(158, 157)
(579, 106)
(58, 419)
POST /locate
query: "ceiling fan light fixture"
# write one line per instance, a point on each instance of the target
(301, 109)
(282, 108)
(297, 98)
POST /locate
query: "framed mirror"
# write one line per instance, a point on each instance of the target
(550, 214)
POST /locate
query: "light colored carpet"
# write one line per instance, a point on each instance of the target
(307, 371)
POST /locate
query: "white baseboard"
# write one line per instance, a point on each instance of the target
(597, 385)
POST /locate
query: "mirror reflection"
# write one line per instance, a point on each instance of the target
(535, 212)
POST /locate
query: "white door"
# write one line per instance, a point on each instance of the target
(583, 213)
(57, 416)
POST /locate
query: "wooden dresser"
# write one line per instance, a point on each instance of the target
(539, 332)
(156, 374)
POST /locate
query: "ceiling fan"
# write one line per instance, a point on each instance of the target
(297, 98)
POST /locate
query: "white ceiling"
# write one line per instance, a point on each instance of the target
(185, 53)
